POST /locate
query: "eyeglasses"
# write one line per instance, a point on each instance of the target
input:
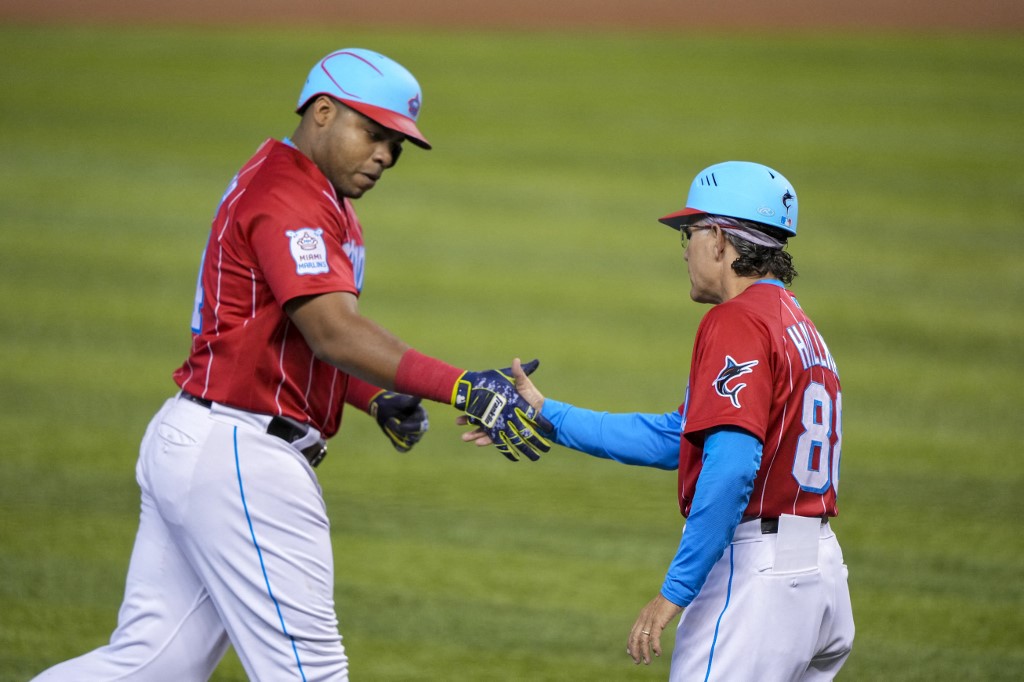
(687, 233)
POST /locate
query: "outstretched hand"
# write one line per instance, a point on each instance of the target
(492, 404)
(526, 389)
(524, 385)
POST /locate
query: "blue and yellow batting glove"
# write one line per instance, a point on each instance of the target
(401, 417)
(492, 403)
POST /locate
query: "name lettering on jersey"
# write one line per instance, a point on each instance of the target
(811, 347)
(731, 371)
(357, 255)
(309, 251)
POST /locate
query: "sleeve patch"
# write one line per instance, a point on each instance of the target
(309, 250)
(729, 375)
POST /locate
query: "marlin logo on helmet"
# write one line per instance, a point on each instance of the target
(787, 199)
(731, 371)
(414, 106)
(742, 190)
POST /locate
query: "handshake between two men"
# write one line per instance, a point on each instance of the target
(489, 401)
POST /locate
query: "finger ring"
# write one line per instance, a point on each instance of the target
(644, 632)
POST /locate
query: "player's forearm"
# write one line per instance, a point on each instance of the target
(366, 351)
(638, 439)
(338, 335)
(379, 358)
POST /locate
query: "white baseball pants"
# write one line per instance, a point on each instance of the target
(233, 547)
(775, 608)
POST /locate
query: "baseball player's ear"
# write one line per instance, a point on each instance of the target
(720, 241)
(323, 109)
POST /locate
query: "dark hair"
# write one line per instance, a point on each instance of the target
(755, 260)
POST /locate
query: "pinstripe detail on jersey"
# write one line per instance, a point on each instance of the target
(247, 353)
(280, 365)
(252, 302)
(791, 401)
(331, 197)
(229, 199)
(790, 309)
(816, 373)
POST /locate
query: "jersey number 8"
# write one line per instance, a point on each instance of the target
(816, 464)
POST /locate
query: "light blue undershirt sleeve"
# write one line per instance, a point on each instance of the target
(635, 438)
(732, 457)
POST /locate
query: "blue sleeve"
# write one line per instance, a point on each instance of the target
(639, 439)
(732, 457)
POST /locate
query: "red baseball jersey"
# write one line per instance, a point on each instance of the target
(280, 232)
(760, 364)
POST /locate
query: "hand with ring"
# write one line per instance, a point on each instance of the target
(646, 633)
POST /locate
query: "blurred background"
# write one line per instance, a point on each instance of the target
(561, 131)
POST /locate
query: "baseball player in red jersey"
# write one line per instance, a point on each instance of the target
(758, 575)
(234, 545)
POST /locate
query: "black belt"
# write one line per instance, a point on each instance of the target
(282, 428)
(769, 526)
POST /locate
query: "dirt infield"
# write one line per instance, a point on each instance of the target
(1001, 15)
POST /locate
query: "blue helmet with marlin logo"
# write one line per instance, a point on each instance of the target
(374, 85)
(740, 189)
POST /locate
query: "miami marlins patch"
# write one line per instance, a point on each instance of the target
(308, 250)
(728, 375)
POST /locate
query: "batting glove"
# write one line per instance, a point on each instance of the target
(492, 403)
(401, 417)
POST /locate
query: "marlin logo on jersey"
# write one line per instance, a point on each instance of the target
(308, 250)
(731, 371)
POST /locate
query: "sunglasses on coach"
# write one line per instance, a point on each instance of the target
(687, 233)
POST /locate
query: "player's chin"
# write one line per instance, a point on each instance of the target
(705, 297)
(357, 187)
(698, 295)
(366, 182)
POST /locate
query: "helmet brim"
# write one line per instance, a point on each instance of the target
(680, 219)
(392, 120)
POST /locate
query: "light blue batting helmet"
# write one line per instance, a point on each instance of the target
(374, 85)
(740, 189)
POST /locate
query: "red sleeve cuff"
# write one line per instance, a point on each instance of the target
(426, 377)
(360, 393)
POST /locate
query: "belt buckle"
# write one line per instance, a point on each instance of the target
(203, 402)
(315, 453)
(289, 432)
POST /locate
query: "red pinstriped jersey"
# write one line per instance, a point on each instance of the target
(760, 364)
(280, 232)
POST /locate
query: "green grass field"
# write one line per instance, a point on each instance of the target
(530, 230)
